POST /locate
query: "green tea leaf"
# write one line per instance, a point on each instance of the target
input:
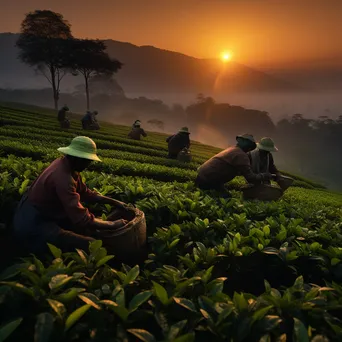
(83, 256)
(104, 260)
(139, 299)
(44, 327)
(94, 246)
(186, 303)
(56, 252)
(76, 316)
(18, 287)
(161, 293)
(174, 243)
(300, 331)
(58, 281)
(7, 329)
(58, 307)
(121, 311)
(90, 299)
(143, 335)
(132, 275)
(69, 295)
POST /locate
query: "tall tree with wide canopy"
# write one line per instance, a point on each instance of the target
(89, 58)
(43, 45)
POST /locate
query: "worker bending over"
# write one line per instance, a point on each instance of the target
(51, 210)
(228, 164)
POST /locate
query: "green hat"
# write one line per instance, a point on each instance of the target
(267, 144)
(184, 130)
(81, 147)
(246, 137)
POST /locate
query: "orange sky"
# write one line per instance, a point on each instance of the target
(256, 31)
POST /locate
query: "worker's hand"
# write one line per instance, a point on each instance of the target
(101, 224)
(267, 176)
(119, 223)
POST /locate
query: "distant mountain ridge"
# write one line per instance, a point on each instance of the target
(149, 70)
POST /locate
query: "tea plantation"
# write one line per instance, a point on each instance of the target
(218, 269)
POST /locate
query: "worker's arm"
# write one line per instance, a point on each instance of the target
(242, 164)
(143, 133)
(69, 197)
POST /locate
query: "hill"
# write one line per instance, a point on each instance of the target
(151, 71)
(218, 269)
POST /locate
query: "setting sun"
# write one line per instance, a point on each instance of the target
(226, 56)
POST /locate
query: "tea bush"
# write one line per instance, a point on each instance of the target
(218, 269)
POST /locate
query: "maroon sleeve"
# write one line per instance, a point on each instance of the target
(70, 198)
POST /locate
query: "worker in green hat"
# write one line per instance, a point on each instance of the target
(137, 132)
(62, 117)
(178, 142)
(261, 158)
(51, 210)
(228, 164)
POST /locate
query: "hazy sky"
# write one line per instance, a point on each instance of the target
(256, 31)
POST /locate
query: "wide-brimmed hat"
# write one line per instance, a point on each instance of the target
(246, 136)
(65, 107)
(267, 144)
(95, 112)
(81, 147)
(184, 130)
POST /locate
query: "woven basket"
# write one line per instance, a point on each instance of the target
(262, 192)
(285, 182)
(127, 243)
(184, 156)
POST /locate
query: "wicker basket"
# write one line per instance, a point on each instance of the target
(184, 156)
(285, 182)
(262, 192)
(127, 243)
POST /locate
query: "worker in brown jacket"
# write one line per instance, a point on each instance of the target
(228, 164)
(51, 211)
(137, 131)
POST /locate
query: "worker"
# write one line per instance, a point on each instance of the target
(89, 121)
(261, 159)
(178, 142)
(62, 118)
(51, 210)
(137, 131)
(136, 122)
(228, 164)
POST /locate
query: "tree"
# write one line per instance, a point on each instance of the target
(89, 58)
(43, 45)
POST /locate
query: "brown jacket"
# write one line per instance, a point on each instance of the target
(136, 132)
(58, 193)
(226, 165)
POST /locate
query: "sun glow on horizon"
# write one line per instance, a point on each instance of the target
(226, 56)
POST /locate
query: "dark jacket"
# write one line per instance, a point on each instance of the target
(136, 133)
(177, 142)
(62, 115)
(263, 163)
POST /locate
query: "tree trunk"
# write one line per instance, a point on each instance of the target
(54, 88)
(87, 91)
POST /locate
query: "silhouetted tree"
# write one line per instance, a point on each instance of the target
(89, 58)
(42, 45)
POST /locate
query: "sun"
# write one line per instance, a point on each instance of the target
(226, 56)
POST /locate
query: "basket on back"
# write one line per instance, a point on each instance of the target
(184, 155)
(262, 192)
(127, 243)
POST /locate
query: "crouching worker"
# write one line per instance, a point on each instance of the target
(228, 164)
(137, 131)
(178, 142)
(262, 161)
(51, 210)
(89, 121)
